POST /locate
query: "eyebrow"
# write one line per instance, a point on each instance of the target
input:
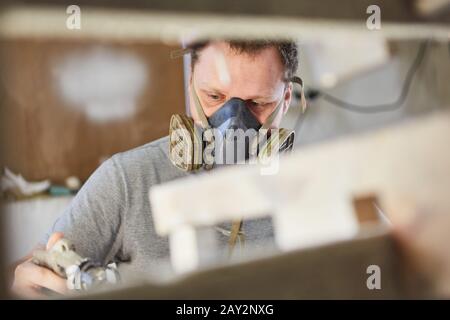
(215, 90)
(270, 98)
(210, 89)
(205, 86)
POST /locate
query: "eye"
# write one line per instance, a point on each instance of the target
(255, 104)
(214, 97)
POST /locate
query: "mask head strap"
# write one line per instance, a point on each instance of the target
(269, 121)
(299, 81)
(277, 109)
(198, 108)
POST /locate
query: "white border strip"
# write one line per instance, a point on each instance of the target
(172, 27)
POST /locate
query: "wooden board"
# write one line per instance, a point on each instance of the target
(42, 137)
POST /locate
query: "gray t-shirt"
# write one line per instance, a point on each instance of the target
(110, 218)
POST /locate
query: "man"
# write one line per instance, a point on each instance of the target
(110, 218)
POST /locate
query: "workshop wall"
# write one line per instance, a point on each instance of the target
(428, 92)
(68, 105)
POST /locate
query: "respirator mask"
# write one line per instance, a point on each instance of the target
(231, 135)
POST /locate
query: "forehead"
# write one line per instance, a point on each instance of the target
(223, 68)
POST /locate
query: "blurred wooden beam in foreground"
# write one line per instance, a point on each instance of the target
(407, 168)
(337, 271)
(175, 26)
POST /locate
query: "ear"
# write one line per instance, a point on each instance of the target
(190, 112)
(287, 98)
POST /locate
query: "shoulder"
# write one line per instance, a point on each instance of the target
(155, 150)
(149, 161)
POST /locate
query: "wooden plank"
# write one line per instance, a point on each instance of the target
(310, 197)
(337, 271)
(175, 26)
(43, 137)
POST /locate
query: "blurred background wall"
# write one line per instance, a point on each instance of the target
(428, 92)
(68, 105)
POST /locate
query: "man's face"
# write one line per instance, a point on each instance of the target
(221, 73)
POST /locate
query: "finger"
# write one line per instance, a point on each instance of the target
(42, 277)
(48, 279)
(53, 239)
(22, 287)
(26, 291)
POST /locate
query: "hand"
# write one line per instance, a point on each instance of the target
(424, 243)
(31, 280)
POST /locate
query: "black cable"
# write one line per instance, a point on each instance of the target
(312, 93)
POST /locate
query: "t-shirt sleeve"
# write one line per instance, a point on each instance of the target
(93, 219)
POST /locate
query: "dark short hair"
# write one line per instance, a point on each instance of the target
(287, 49)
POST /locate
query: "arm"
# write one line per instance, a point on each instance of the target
(29, 279)
(92, 222)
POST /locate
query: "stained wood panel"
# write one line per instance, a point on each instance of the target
(42, 137)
